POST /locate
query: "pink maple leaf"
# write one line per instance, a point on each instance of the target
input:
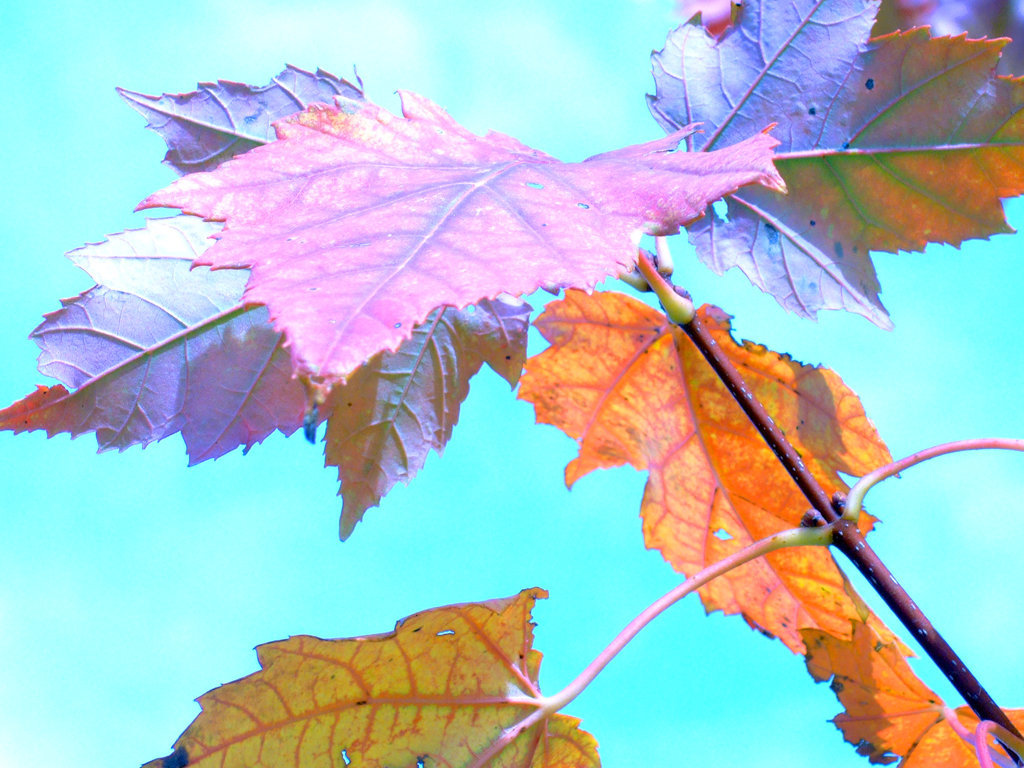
(358, 223)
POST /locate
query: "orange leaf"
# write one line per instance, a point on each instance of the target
(941, 747)
(436, 691)
(631, 388)
(889, 713)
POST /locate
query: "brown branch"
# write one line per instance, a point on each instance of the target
(848, 538)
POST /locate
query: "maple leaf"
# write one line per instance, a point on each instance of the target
(979, 18)
(205, 127)
(630, 387)
(438, 690)
(393, 410)
(357, 223)
(889, 712)
(869, 161)
(157, 347)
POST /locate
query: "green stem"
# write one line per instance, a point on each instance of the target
(548, 705)
(855, 498)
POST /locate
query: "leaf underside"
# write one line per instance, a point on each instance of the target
(870, 163)
(205, 127)
(158, 347)
(392, 411)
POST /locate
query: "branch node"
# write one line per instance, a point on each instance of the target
(812, 519)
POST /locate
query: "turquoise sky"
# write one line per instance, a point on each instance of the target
(130, 584)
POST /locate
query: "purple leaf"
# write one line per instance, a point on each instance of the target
(866, 155)
(390, 414)
(783, 63)
(204, 128)
(157, 347)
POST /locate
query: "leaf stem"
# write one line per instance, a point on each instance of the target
(855, 498)
(847, 537)
(979, 739)
(674, 301)
(548, 705)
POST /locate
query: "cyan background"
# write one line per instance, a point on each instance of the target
(130, 584)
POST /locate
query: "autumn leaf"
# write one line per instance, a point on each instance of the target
(438, 690)
(889, 712)
(870, 163)
(157, 347)
(392, 411)
(357, 223)
(207, 126)
(979, 18)
(631, 388)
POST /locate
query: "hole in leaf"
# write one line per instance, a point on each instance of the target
(421, 761)
(534, 185)
(846, 145)
(721, 209)
(446, 632)
(398, 325)
(345, 758)
(584, 206)
(722, 535)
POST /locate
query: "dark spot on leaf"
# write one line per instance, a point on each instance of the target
(177, 759)
(361, 702)
(846, 145)
(313, 288)
(534, 185)
(870, 84)
(309, 423)
(814, 223)
(839, 250)
(836, 686)
(772, 233)
(812, 111)
(508, 357)
(417, 629)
